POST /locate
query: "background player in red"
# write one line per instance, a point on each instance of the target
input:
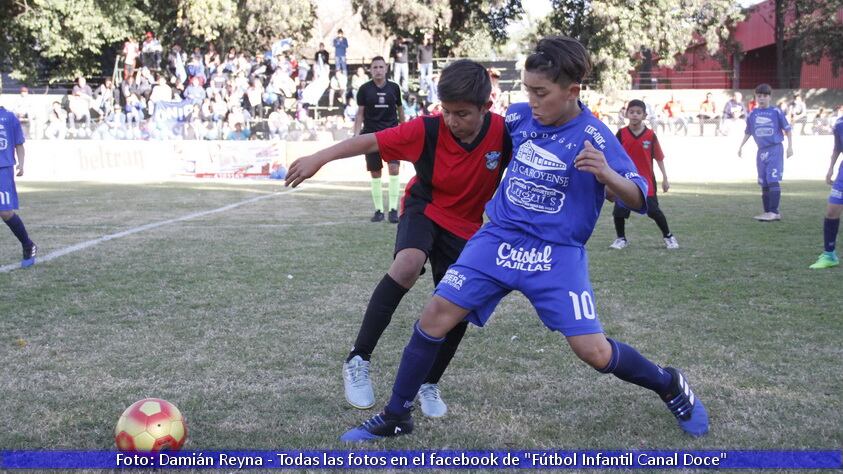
(642, 145)
(459, 157)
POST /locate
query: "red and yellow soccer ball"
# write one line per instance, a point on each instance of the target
(150, 425)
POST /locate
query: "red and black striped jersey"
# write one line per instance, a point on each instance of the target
(643, 149)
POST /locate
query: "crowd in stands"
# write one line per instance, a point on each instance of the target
(234, 95)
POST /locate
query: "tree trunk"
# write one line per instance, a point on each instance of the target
(782, 72)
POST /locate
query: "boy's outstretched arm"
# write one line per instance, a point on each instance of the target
(306, 166)
(789, 136)
(665, 182)
(592, 160)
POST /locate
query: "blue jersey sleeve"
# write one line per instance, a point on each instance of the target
(838, 137)
(619, 160)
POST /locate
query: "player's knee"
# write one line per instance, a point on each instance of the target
(406, 267)
(376, 174)
(6, 215)
(834, 211)
(596, 355)
(393, 169)
(440, 316)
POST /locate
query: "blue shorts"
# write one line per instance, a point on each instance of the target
(8, 192)
(836, 196)
(553, 277)
(770, 164)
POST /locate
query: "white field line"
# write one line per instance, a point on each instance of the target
(105, 238)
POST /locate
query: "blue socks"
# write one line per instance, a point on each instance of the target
(765, 198)
(830, 228)
(630, 366)
(17, 227)
(418, 358)
(774, 197)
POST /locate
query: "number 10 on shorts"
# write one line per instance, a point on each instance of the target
(583, 305)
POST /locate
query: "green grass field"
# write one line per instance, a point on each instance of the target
(242, 319)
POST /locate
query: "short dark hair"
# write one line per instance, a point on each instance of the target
(562, 59)
(340, 31)
(763, 89)
(464, 80)
(637, 103)
(377, 58)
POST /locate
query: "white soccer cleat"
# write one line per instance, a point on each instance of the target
(431, 402)
(358, 386)
(671, 243)
(764, 217)
(619, 243)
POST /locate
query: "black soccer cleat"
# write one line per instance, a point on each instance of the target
(382, 425)
(29, 256)
(377, 217)
(685, 406)
(393, 216)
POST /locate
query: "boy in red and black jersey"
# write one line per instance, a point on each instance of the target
(642, 145)
(459, 157)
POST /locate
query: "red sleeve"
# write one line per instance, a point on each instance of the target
(402, 142)
(658, 154)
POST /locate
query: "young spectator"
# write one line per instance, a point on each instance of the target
(321, 67)
(194, 92)
(379, 107)
(11, 146)
(131, 51)
(400, 62)
(499, 102)
(642, 146)
(675, 118)
(708, 114)
(766, 124)
(443, 207)
(831, 224)
(106, 97)
(425, 64)
(733, 112)
(798, 112)
(336, 88)
(238, 133)
(79, 104)
(358, 79)
(537, 246)
(340, 49)
(151, 51)
(56, 122)
(211, 59)
(278, 123)
(176, 62)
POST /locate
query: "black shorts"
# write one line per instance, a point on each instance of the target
(417, 231)
(652, 207)
(373, 160)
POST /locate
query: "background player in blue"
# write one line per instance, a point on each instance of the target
(765, 124)
(564, 161)
(831, 224)
(11, 143)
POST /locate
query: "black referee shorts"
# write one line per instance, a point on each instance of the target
(417, 231)
(373, 160)
(652, 208)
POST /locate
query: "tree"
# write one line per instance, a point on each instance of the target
(621, 33)
(456, 23)
(261, 21)
(806, 31)
(66, 37)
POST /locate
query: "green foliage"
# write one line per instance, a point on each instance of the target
(70, 37)
(66, 36)
(619, 33)
(461, 27)
(817, 31)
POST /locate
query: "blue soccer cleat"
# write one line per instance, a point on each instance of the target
(685, 406)
(380, 426)
(29, 256)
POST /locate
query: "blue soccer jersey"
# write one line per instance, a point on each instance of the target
(11, 135)
(767, 126)
(542, 192)
(836, 196)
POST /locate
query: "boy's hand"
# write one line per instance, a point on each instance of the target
(789, 151)
(20, 170)
(591, 160)
(739, 152)
(828, 176)
(302, 169)
(665, 184)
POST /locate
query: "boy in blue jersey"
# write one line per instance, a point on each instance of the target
(831, 224)
(564, 162)
(11, 143)
(765, 124)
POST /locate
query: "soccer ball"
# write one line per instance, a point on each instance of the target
(150, 425)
